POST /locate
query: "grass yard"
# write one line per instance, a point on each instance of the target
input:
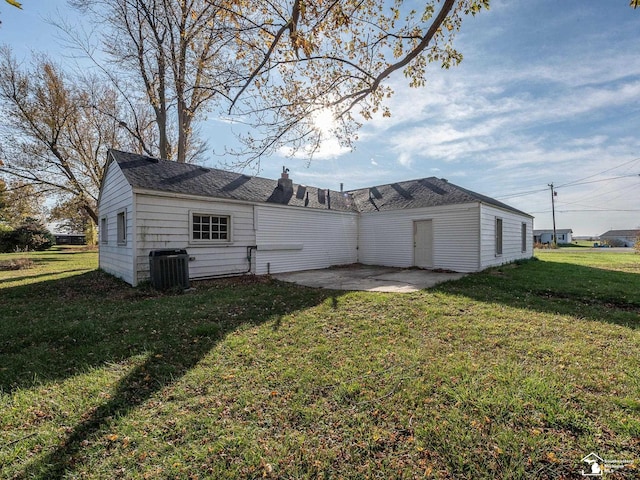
(517, 372)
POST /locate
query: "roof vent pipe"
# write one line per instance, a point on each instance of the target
(341, 187)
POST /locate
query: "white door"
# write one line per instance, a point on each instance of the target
(423, 244)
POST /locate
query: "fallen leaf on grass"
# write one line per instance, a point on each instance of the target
(552, 457)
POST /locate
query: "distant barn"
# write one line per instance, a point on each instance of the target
(70, 238)
(621, 238)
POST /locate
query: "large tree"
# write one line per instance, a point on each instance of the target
(175, 53)
(56, 130)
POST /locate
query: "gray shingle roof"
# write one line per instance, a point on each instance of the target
(168, 176)
(621, 233)
(423, 192)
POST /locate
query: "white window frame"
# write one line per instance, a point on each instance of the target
(523, 230)
(121, 227)
(499, 231)
(210, 214)
(104, 230)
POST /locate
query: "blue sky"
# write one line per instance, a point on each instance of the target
(548, 92)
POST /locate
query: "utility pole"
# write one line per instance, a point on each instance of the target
(553, 213)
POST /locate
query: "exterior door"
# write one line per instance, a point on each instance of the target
(423, 243)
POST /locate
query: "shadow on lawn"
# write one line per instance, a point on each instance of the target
(559, 288)
(173, 331)
(37, 275)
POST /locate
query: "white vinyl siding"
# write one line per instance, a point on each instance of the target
(512, 242)
(293, 238)
(386, 238)
(116, 197)
(165, 222)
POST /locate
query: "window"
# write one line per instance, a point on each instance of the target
(498, 237)
(104, 233)
(210, 228)
(524, 237)
(121, 227)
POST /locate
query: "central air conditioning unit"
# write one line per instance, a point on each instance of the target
(169, 269)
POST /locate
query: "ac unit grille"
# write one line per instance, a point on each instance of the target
(169, 269)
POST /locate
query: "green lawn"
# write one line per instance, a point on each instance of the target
(517, 372)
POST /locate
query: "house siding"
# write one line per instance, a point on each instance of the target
(291, 238)
(115, 196)
(511, 236)
(386, 238)
(162, 222)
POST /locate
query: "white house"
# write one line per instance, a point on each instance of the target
(546, 236)
(231, 224)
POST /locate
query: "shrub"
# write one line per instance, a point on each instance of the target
(31, 235)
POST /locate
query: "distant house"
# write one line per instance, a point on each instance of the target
(546, 236)
(621, 238)
(231, 223)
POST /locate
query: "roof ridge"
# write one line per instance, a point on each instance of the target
(194, 179)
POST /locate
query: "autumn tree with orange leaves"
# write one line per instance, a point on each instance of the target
(306, 57)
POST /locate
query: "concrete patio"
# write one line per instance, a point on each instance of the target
(369, 278)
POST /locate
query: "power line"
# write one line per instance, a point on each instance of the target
(575, 182)
(521, 194)
(531, 192)
(588, 210)
(600, 173)
(601, 180)
(591, 197)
